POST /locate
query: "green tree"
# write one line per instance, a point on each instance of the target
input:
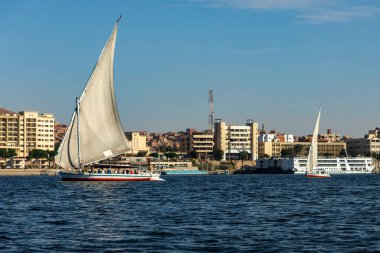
(3, 153)
(194, 154)
(51, 156)
(171, 155)
(288, 152)
(243, 156)
(342, 153)
(297, 149)
(367, 154)
(169, 149)
(38, 153)
(142, 153)
(154, 155)
(7, 153)
(218, 154)
(52, 153)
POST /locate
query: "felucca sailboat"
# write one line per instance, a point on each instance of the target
(311, 166)
(95, 132)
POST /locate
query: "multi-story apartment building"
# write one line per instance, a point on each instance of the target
(276, 138)
(366, 146)
(25, 131)
(273, 149)
(233, 140)
(201, 142)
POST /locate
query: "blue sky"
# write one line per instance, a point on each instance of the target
(272, 61)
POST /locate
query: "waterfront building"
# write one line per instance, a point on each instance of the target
(374, 133)
(25, 131)
(233, 140)
(268, 138)
(137, 141)
(164, 165)
(275, 137)
(285, 137)
(18, 162)
(273, 149)
(329, 137)
(59, 132)
(367, 146)
(201, 142)
(164, 142)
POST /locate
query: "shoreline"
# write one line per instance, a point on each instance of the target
(27, 172)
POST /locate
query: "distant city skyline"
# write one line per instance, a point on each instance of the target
(272, 61)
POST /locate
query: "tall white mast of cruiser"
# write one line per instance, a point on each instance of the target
(100, 134)
(313, 152)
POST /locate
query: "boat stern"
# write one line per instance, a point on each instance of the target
(156, 177)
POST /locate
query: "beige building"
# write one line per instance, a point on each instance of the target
(329, 137)
(25, 131)
(137, 141)
(365, 146)
(232, 139)
(201, 142)
(273, 149)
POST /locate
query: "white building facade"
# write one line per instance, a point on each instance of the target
(233, 139)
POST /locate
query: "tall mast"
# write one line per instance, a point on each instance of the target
(78, 137)
(211, 112)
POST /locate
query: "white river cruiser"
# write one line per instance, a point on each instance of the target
(350, 165)
(341, 165)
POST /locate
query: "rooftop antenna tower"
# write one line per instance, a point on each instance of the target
(211, 113)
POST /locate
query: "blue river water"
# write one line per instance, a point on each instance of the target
(235, 213)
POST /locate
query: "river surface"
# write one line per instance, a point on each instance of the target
(235, 213)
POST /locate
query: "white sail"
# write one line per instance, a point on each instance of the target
(313, 152)
(101, 134)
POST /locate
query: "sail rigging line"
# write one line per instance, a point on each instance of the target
(78, 136)
(99, 86)
(115, 28)
(312, 161)
(76, 113)
(99, 58)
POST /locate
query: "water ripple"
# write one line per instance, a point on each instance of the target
(237, 213)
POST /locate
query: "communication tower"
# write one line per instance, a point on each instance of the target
(211, 113)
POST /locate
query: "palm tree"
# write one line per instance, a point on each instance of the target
(243, 156)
